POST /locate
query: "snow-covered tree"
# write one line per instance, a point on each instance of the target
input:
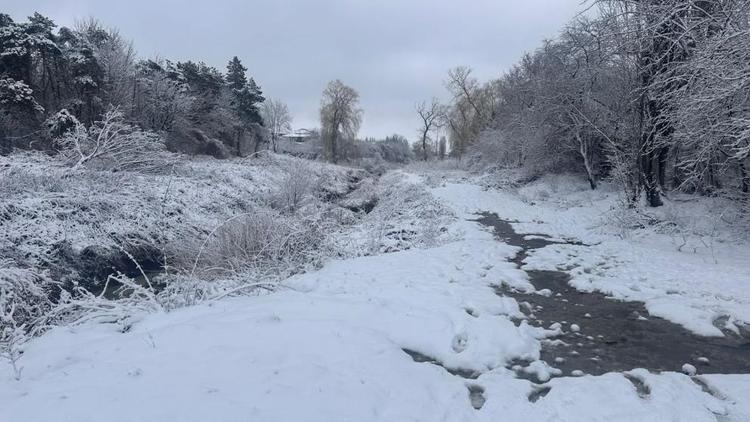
(161, 95)
(430, 116)
(277, 119)
(340, 117)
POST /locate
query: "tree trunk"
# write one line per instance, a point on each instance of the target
(663, 156)
(649, 162)
(584, 151)
(676, 180)
(239, 143)
(334, 135)
(744, 178)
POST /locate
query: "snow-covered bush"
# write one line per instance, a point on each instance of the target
(61, 123)
(262, 241)
(405, 216)
(112, 144)
(493, 149)
(295, 187)
(373, 165)
(17, 94)
(24, 294)
(395, 149)
(553, 186)
(24, 299)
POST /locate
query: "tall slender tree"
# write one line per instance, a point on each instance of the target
(246, 94)
(340, 116)
(430, 114)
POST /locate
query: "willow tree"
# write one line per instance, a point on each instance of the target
(340, 117)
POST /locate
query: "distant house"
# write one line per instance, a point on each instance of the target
(299, 135)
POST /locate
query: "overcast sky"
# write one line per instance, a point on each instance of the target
(394, 52)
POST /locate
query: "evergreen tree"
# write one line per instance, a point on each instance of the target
(246, 102)
(246, 94)
(202, 79)
(236, 78)
(27, 50)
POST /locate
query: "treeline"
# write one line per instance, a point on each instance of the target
(653, 94)
(78, 87)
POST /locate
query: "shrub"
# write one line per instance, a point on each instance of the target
(112, 144)
(61, 123)
(295, 187)
(373, 165)
(262, 241)
(24, 299)
(395, 149)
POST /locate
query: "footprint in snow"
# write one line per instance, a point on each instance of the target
(459, 342)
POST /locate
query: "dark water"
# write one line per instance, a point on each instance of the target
(614, 335)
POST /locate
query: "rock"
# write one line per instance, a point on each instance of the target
(689, 369)
(544, 292)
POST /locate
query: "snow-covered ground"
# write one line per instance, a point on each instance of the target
(331, 345)
(698, 281)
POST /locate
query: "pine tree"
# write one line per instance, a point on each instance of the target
(236, 78)
(246, 94)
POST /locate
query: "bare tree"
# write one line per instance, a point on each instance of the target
(463, 85)
(472, 109)
(340, 116)
(430, 114)
(277, 118)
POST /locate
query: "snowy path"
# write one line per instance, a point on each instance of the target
(330, 347)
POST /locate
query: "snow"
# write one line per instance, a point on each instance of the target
(197, 195)
(329, 345)
(689, 369)
(544, 292)
(734, 391)
(694, 287)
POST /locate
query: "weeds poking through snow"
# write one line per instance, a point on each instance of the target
(24, 298)
(295, 187)
(226, 228)
(12, 338)
(259, 240)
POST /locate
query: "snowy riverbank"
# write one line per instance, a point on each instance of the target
(330, 345)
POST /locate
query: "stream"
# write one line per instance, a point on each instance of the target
(611, 335)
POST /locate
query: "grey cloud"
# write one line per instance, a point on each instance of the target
(393, 52)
